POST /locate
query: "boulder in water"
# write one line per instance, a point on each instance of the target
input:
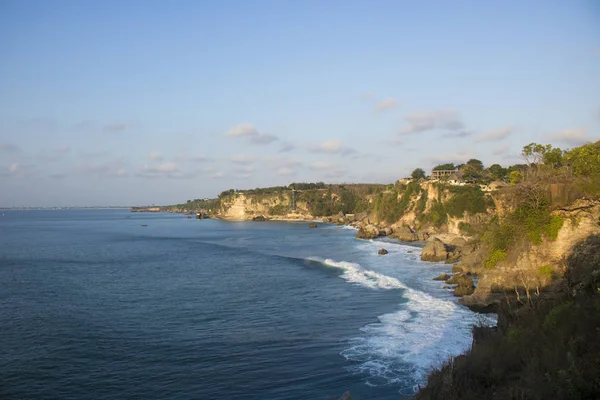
(442, 277)
(434, 250)
(382, 252)
(367, 232)
(312, 225)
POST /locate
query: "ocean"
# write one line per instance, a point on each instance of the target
(94, 305)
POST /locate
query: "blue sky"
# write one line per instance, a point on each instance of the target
(156, 102)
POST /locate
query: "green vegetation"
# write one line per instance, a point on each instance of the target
(279, 209)
(466, 228)
(418, 173)
(546, 272)
(469, 199)
(443, 167)
(494, 258)
(548, 351)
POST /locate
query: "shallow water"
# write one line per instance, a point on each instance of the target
(95, 306)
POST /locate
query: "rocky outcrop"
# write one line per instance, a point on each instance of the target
(405, 234)
(442, 277)
(435, 250)
(368, 232)
(259, 218)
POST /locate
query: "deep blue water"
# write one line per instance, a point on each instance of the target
(95, 306)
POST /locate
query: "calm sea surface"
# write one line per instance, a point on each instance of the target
(93, 305)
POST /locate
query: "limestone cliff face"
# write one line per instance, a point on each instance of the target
(245, 207)
(533, 268)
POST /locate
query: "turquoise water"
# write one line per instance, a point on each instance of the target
(96, 306)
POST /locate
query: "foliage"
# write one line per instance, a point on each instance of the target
(497, 172)
(437, 214)
(584, 162)
(421, 203)
(494, 258)
(279, 209)
(515, 177)
(306, 186)
(466, 228)
(418, 173)
(468, 199)
(546, 272)
(441, 167)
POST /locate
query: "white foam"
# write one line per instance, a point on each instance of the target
(403, 346)
(355, 273)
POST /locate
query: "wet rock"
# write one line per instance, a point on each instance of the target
(382, 251)
(405, 234)
(367, 232)
(434, 250)
(442, 277)
(312, 225)
(259, 218)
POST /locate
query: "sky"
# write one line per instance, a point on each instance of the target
(157, 102)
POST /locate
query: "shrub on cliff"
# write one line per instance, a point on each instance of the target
(547, 352)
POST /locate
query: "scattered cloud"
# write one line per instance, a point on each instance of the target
(250, 133)
(108, 169)
(285, 171)
(573, 137)
(496, 134)
(18, 170)
(458, 134)
(199, 158)
(395, 142)
(62, 149)
(57, 176)
(428, 120)
(9, 148)
(114, 128)
(244, 172)
(286, 147)
(242, 159)
(321, 166)
(500, 150)
(332, 147)
(386, 104)
(167, 170)
(14, 167)
(156, 156)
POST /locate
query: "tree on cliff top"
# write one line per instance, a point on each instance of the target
(444, 167)
(418, 173)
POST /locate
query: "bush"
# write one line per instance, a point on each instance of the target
(468, 199)
(279, 209)
(546, 272)
(494, 258)
(466, 228)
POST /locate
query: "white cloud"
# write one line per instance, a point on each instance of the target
(321, 165)
(156, 156)
(14, 167)
(285, 171)
(428, 120)
(573, 137)
(167, 170)
(242, 159)
(386, 104)
(496, 134)
(286, 147)
(332, 147)
(500, 150)
(107, 169)
(62, 149)
(249, 132)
